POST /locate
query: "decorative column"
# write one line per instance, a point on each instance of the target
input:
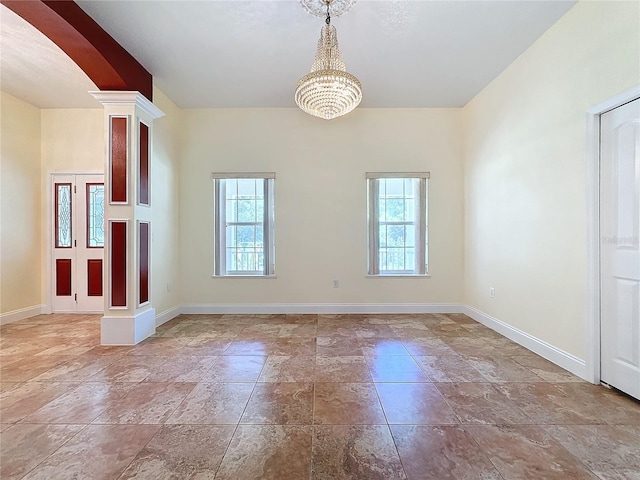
(129, 316)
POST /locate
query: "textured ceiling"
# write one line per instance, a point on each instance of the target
(34, 69)
(251, 53)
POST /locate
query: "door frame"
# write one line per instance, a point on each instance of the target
(49, 227)
(593, 320)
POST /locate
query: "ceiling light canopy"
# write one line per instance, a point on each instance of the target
(328, 91)
(319, 7)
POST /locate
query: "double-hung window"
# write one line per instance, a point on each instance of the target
(243, 224)
(398, 223)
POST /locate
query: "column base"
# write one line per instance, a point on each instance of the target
(127, 330)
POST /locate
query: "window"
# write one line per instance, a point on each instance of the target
(244, 217)
(397, 215)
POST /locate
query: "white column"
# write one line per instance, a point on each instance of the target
(129, 316)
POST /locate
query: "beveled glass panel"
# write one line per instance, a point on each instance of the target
(63, 215)
(95, 215)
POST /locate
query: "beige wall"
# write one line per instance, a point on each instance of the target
(165, 201)
(320, 201)
(73, 141)
(507, 189)
(20, 226)
(36, 143)
(525, 224)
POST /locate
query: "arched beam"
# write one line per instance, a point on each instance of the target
(103, 59)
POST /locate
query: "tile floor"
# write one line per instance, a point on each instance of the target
(301, 397)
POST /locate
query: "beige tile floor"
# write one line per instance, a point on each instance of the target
(293, 397)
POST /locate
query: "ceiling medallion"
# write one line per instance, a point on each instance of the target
(319, 7)
(328, 91)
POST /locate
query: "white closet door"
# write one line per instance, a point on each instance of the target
(619, 248)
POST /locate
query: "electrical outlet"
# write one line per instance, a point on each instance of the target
(336, 283)
(492, 292)
(168, 286)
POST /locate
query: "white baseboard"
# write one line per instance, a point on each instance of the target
(167, 315)
(21, 314)
(328, 308)
(561, 358)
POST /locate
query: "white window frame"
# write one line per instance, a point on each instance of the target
(219, 225)
(421, 268)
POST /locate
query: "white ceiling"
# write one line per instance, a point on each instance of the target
(240, 53)
(34, 69)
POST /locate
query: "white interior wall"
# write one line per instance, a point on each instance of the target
(20, 194)
(165, 200)
(523, 187)
(37, 143)
(320, 201)
(525, 221)
(386, 140)
(73, 141)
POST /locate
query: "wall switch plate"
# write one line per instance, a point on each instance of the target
(492, 292)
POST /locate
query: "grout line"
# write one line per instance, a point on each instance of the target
(237, 425)
(145, 446)
(313, 429)
(128, 356)
(24, 474)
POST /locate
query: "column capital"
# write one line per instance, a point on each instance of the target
(128, 98)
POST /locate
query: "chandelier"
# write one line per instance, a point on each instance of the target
(328, 91)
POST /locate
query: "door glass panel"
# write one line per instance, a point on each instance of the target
(63, 215)
(95, 215)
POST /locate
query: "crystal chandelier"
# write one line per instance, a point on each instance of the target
(329, 91)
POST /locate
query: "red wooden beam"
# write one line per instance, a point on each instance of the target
(103, 59)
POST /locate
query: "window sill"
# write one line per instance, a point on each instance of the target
(399, 275)
(244, 276)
